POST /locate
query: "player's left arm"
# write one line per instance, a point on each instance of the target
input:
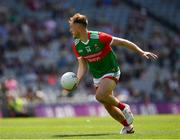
(130, 45)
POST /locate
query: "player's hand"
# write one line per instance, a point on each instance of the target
(65, 92)
(149, 55)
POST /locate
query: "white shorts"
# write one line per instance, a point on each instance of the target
(114, 76)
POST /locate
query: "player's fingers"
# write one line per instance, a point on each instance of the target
(150, 55)
(154, 56)
(146, 56)
(75, 86)
(65, 92)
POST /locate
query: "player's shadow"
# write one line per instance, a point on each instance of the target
(82, 135)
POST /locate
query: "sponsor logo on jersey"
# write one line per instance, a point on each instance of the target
(98, 56)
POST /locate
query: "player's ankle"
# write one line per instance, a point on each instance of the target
(125, 123)
(121, 106)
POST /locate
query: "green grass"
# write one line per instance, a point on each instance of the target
(147, 127)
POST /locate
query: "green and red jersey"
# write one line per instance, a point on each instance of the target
(98, 53)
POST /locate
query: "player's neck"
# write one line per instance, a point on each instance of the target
(84, 36)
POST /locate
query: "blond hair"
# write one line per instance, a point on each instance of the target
(79, 19)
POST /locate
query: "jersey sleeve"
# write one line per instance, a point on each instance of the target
(105, 38)
(75, 51)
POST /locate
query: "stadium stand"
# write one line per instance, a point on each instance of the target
(35, 48)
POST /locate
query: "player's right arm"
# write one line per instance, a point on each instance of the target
(82, 68)
(82, 64)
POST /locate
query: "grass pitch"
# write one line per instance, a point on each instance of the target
(147, 127)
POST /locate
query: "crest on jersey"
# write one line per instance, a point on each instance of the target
(88, 49)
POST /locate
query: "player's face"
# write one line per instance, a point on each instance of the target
(75, 30)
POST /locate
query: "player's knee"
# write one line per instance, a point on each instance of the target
(100, 98)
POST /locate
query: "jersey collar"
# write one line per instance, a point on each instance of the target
(87, 40)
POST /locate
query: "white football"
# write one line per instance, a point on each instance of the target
(69, 80)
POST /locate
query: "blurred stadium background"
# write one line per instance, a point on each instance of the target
(35, 50)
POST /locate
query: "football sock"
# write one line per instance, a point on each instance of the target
(124, 122)
(121, 106)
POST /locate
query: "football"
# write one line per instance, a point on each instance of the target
(69, 80)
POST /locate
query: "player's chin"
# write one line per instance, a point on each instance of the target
(75, 36)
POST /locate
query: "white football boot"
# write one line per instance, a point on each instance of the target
(127, 130)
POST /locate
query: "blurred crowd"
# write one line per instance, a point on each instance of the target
(35, 50)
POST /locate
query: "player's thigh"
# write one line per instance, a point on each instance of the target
(106, 87)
